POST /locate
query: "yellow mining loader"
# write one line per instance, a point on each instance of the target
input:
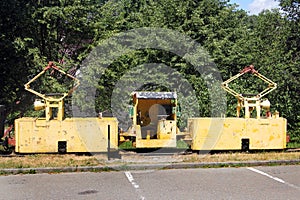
(253, 131)
(154, 120)
(56, 133)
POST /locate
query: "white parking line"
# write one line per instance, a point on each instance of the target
(265, 174)
(131, 179)
(134, 184)
(273, 177)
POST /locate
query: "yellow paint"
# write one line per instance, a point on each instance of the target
(81, 134)
(227, 133)
(154, 120)
(155, 143)
(164, 137)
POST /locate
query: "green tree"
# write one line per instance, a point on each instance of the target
(15, 58)
(35, 32)
(291, 10)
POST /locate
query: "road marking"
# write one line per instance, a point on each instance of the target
(134, 184)
(273, 177)
(265, 174)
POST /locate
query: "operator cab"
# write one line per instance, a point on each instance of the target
(154, 116)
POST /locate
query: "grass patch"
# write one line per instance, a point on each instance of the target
(126, 145)
(49, 160)
(72, 160)
(293, 145)
(182, 145)
(236, 156)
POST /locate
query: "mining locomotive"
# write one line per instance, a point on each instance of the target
(154, 118)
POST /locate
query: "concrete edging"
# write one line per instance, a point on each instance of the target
(146, 166)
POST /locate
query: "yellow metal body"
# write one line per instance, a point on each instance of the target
(54, 133)
(261, 132)
(165, 135)
(231, 133)
(37, 135)
(154, 117)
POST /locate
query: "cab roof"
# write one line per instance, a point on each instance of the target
(155, 95)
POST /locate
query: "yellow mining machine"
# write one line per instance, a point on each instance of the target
(154, 120)
(56, 133)
(154, 123)
(251, 132)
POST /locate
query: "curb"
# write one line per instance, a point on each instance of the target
(144, 166)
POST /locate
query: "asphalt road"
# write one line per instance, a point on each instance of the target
(280, 182)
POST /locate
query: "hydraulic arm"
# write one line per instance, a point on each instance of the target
(52, 100)
(254, 102)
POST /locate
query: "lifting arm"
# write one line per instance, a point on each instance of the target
(250, 69)
(52, 101)
(253, 102)
(51, 65)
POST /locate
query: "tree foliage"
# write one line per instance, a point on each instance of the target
(35, 32)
